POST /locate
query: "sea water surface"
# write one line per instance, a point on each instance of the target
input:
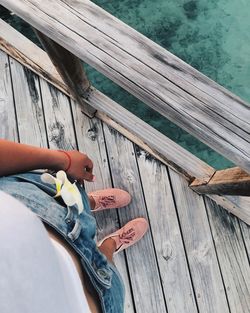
(211, 35)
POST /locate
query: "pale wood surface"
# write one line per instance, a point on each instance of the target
(235, 270)
(142, 68)
(170, 251)
(59, 122)
(237, 205)
(71, 70)
(29, 54)
(28, 99)
(187, 262)
(231, 181)
(198, 241)
(8, 128)
(246, 234)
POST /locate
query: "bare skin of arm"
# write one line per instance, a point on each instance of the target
(17, 158)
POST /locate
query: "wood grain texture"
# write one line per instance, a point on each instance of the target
(30, 55)
(59, 122)
(149, 138)
(203, 263)
(113, 48)
(8, 127)
(166, 234)
(71, 70)
(231, 181)
(28, 103)
(142, 263)
(239, 206)
(244, 204)
(246, 236)
(90, 138)
(232, 256)
(109, 111)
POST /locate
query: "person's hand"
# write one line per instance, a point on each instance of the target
(81, 167)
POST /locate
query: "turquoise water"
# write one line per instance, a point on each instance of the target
(212, 36)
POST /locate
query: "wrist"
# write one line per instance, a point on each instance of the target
(67, 155)
(58, 160)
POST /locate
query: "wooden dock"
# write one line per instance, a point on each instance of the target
(195, 258)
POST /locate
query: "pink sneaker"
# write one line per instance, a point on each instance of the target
(110, 198)
(128, 235)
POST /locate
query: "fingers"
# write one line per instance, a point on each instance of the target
(88, 171)
(88, 165)
(88, 176)
(81, 167)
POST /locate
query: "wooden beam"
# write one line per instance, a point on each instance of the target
(149, 72)
(232, 181)
(71, 70)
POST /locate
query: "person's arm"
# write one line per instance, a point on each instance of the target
(16, 158)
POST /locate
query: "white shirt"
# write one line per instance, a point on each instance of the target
(37, 275)
(71, 278)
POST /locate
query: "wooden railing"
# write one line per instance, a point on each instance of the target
(73, 30)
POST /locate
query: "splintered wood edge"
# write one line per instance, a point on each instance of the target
(232, 181)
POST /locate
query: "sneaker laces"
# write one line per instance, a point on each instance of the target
(106, 200)
(127, 237)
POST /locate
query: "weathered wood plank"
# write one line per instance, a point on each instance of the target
(89, 134)
(71, 70)
(142, 264)
(166, 234)
(203, 263)
(232, 181)
(225, 130)
(58, 118)
(237, 205)
(246, 236)
(30, 55)
(28, 99)
(8, 127)
(115, 115)
(232, 256)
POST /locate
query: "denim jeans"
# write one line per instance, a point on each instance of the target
(78, 230)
